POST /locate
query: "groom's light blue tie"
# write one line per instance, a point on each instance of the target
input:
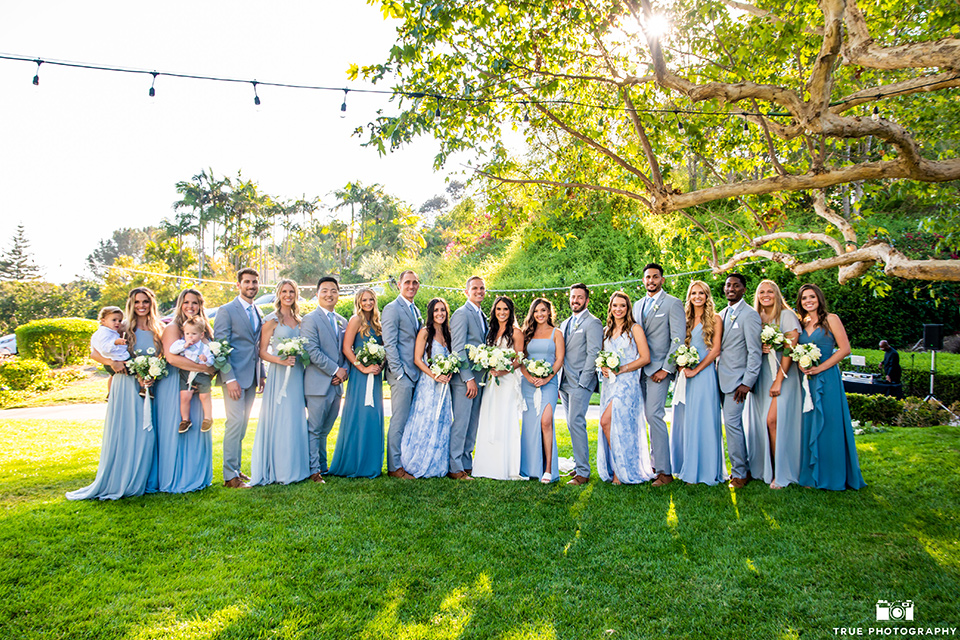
(333, 325)
(416, 318)
(646, 307)
(253, 322)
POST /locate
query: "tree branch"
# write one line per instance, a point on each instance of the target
(564, 185)
(860, 49)
(936, 82)
(644, 140)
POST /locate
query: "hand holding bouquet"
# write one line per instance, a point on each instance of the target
(291, 348)
(495, 359)
(540, 370)
(442, 366)
(147, 367)
(221, 351)
(807, 356)
(773, 340)
(610, 361)
(686, 358)
(370, 356)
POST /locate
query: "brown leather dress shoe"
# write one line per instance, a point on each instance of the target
(243, 476)
(317, 477)
(578, 480)
(738, 483)
(236, 483)
(397, 473)
(661, 480)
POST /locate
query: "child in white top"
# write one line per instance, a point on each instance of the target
(193, 347)
(107, 341)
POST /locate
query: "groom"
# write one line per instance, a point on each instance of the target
(737, 369)
(468, 325)
(239, 323)
(401, 321)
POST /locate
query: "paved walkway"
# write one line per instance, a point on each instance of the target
(99, 411)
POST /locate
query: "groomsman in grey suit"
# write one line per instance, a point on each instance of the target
(401, 320)
(582, 339)
(737, 369)
(239, 323)
(665, 325)
(468, 325)
(322, 381)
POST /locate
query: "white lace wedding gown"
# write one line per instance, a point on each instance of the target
(497, 454)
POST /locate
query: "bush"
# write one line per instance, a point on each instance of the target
(875, 408)
(23, 373)
(919, 413)
(59, 341)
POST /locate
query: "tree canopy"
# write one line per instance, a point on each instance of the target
(770, 127)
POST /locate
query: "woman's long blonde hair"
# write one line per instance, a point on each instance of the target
(180, 317)
(295, 308)
(709, 312)
(628, 320)
(779, 303)
(371, 322)
(152, 320)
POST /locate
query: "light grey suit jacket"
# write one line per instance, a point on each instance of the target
(326, 352)
(665, 327)
(399, 339)
(466, 328)
(233, 324)
(580, 352)
(741, 351)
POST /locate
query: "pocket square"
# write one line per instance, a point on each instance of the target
(659, 315)
(579, 331)
(735, 325)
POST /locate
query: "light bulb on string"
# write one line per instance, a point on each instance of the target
(36, 76)
(153, 92)
(875, 117)
(436, 114)
(343, 107)
(746, 127)
(256, 98)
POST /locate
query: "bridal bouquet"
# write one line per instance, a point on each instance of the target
(806, 355)
(221, 350)
(442, 365)
(610, 360)
(774, 338)
(148, 367)
(495, 358)
(538, 369)
(685, 357)
(371, 353)
(286, 347)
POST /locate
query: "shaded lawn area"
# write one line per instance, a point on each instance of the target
(483, 559)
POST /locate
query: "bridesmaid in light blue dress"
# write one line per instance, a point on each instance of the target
(538, 437)
(828, 452)
(185, 459)
(696, 438)
(425, 447)
(359, 451)
(771, 417)
(280, 447)
(127, 465)
(623, 455)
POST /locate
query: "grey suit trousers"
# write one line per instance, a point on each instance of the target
(238, 415)
(401, 398)
(576, 401)
(463, 433)
(655, 410)
(736, 441)
(322, 412)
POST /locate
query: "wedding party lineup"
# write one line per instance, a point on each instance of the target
(475, 394)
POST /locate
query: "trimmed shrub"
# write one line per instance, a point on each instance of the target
(919, 413)
(874, 408)
(23, 373)
(56, 341)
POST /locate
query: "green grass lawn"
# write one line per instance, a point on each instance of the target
(438, 558)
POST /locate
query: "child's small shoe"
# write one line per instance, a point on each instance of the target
(205, 425)
(185, 426)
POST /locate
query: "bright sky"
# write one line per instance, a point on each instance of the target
(87, 152)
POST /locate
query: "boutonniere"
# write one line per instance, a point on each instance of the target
(733, 317)
(656, 307)
(576, 325)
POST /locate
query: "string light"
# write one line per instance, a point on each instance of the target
(343, 107)
(436, 115)
(256, 98)
(36, 76)
(153, 92)
(876, 114)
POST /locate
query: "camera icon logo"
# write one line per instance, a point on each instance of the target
(894, 610)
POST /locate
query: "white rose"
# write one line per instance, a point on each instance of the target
(681, 361)
(155, 370)
(215, 348)
(806, 362)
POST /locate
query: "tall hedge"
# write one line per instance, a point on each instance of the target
(56, 341)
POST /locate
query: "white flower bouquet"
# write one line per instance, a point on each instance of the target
(538, 369)
(493, 358)
(286, 347)
(148, 367)
(771, 336)
(442, 365)
(807, 356)
(371, 353)
(221, 351)
(608, 359)
(685, 357)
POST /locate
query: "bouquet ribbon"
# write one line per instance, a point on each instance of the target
(147, 418)
(537, 399)
(680, 389)
(283, 389)
(191, 377)
(368, 396)
(807, 399)
(444, 394)
(772, 359)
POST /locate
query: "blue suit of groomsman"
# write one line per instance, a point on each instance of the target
(665, 326)
(468, 325)
(322, 379)
(401, 321)
(239, 322)
(738, 366)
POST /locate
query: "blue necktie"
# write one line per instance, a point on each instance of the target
(416, 318)
(253, 322)
(646, 307)
(333, 325)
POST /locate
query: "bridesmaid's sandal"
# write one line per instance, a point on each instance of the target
(774, 485)
(546, 477)
(184, 426)
(205, 425)
(616, 481)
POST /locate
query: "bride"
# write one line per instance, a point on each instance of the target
(498, 434)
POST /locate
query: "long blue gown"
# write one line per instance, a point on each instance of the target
(185, 459)
(628, 454)
(425, 447)
(828, 453)
(281, 450)
(532, 462)
(359, 451)
(696, 437)
(127, 464)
